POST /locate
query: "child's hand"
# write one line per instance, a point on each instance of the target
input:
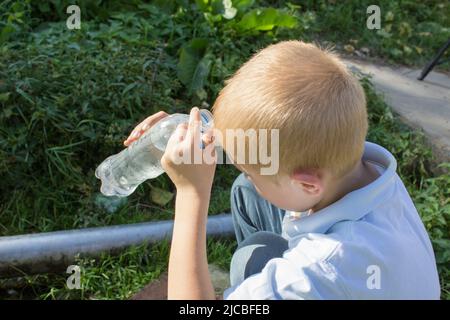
(190, 167)
(144, 126)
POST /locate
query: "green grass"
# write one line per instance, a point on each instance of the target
(114, 277)
(69, 98)
(411, 31)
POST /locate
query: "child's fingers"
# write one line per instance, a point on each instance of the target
(144, 126)
(208, 137)
(173, 148)
(193, 133)
(180, 132)
(209, 147)
(178, 135)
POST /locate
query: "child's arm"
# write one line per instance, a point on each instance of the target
(188, 266)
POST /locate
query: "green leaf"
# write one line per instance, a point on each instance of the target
(218, 6)
(129, 87)
(150, 8)
(5, 32)
(74, 46)
(44, 6)
(160, 196)
(242, 5)
(199, 45)
(25, 95)
(193, 66)
(168, 6)
(266, 19)
(201, 73)
(203, 5)
(4, 96)
(186, 65)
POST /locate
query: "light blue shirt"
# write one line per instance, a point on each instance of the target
(371, 244)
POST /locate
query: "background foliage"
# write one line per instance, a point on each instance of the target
(68, 98)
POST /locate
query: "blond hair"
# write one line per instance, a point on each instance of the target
(308, 94)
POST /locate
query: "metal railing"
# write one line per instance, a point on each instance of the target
(51, 251)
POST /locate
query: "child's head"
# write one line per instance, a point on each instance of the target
(316, 104)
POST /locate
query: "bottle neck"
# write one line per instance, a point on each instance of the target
(206, 118)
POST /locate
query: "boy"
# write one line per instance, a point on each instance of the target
(335, 222)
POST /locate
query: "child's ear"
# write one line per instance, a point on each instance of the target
(308, 180)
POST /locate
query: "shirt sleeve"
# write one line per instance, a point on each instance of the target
(282, 279)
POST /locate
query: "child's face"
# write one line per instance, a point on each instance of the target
(287, 193)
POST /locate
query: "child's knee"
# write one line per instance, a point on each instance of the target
(253, 254)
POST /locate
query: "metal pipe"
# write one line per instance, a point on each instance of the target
(50, 251)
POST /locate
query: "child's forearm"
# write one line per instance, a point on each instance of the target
(188, 265)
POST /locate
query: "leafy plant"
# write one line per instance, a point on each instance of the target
(13, 15)
(229, 19)
(265, 20)
(68, 99)
(194, 66)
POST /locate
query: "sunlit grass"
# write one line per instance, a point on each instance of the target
(68, 99)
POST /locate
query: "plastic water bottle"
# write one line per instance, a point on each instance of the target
(122, 173)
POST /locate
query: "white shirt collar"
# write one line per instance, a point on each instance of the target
(355, 204)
